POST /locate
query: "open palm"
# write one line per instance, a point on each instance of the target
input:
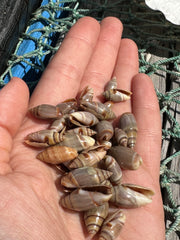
(29, 202)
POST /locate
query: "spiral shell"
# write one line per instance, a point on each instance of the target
(104, 131)
(84, 177)
(100, 110)
(112, 84)
(83, 119)
(112, 225)
(68, 106)
(82, 200)
(58, 124)
(86, 131)
(117, 95)
(113, 166)
(127, 123)
(45, 111)
(131, 195)
(86, 94)
(57, 154)
(126, 157)
(94, 218)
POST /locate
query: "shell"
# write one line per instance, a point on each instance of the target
(49, 137)
(100, 110)
(68, 106)
(127, 123)
(82, 131)
(113, 166)
(86, 94)
(87, 159)
(121, 137)
(131, 196)
(84, 177)
(117, 95)
(94, 218)
(112, 225)
(126, 157)
(58, 124)
(57, 154)
(104, 131)
(77, 141)
(112, 84)
(45, 111)
(82, 200)
(83, 119)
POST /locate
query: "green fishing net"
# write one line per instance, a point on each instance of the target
(159, 55)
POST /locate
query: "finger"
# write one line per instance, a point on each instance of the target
(14, 101)
(126, 68)
(62, 76)
(102, 62)
(147, 113)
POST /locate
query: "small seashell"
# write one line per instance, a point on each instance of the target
(121, 137)
(86, 131)
(68, 106)
(127, 123)
(58, 124)
(57, 154)
(100, 110)
(86, 94)
(113, 166)
(83, 119)
(82, 200)
(77, 141)
(112, 225)
(126, 157)
(45, 111)
(84, 177)
(117, 95)
(131, 196)
(87, 159)
(94, 218)
(112, 84)
(104, 131)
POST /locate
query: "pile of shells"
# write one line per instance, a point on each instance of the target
(82, 142)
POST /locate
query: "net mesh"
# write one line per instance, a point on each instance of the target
(159, 56)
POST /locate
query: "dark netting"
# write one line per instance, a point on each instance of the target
(159, 56)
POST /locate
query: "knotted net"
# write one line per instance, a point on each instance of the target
(159, 56)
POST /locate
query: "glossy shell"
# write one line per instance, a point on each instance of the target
(77, 141)
(68, 106)
(112, 225)
(45, 111)
(94, 218)
(100, 110)
(86, 94)
(126, 157)
(104, 131)
(57, 154)
(86, 131)
(84, 177)
(127, 123)
(121, 137)
(113, 166)
(83, 119)
(112, 84)
(82, 200)
(131, 196)
(87, 159)
(117, 95)
(58, 124)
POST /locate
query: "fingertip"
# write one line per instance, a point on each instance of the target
(115, 22)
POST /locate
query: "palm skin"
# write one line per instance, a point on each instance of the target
(29, 204)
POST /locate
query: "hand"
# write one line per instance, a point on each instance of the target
(90, 55)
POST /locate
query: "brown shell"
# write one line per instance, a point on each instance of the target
(94, 218)
(121, 137)
(86, 94)
(104, 131)
(82, 200)
(131, 195)
(84, 177)
(57, 154)
(83, 118)
(112, 225)
(112, 84)
(126, 157)
(127, 123)
(45, 111)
